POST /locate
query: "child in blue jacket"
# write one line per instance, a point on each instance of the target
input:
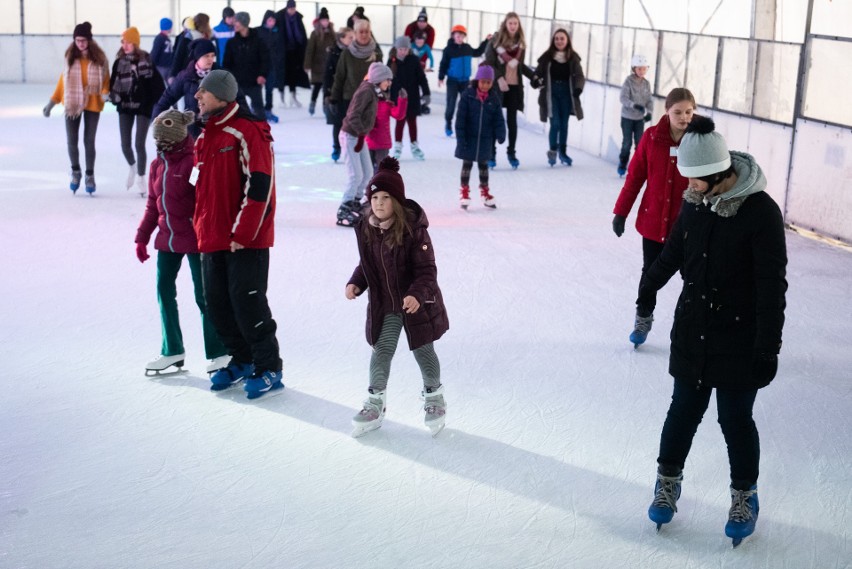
(455, 68)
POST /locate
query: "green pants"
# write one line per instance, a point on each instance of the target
(168, 265)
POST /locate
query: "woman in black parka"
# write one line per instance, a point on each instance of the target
(728, 244)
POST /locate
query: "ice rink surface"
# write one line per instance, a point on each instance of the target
(553, 421)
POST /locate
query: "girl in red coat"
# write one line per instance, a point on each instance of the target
(170, 206)
(398, 271)
(655, 162)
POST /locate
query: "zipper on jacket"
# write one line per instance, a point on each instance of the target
(387, 276)
(163, 199)
(479, 134)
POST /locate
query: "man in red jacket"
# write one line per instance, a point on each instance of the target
(234, 179)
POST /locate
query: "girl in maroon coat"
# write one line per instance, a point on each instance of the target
(655, 162)
(398, 271)
(170, 207)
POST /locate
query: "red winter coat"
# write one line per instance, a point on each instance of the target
(380, 137)
(655, 161)
(235, 190)
(171, 202)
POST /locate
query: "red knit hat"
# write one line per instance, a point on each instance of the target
(387, 179)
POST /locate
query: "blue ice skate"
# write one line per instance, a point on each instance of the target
(666, 495)
(742, 516)
(259, 384)
(230, 375)
(513, 161)
(641, 327)
(621, 170)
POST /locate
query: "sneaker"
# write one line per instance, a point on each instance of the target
(161, 363)
(742, 516)
(261, 383)
(464, 196)
(90, 184)
(666, 495)
(435, 408)
(641, 327)
(370, 417)
(417, 152)
(216, 364)
(312, 108)
(142, 185)
(131, 177)
(487, 198)
(230, 375)
(76, 176)
(397, 150)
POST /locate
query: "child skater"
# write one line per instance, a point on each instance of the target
(171, 204)
(409, 78)
(359, 121)
(636, 104)
(479, 123)
(398, 271)
(379, 139)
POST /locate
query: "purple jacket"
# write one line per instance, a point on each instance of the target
(390, 274)
(171, 202)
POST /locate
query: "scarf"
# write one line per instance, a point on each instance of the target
(76, 95)
(383, 225)
(202, 73)
(367, 52)
(294, 32)
(750, 180)
(560, 56)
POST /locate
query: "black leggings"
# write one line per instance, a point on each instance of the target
(125, 127)
(467, 166)
(511, 102)
(315, 91)
(72, 132)
(650, 251)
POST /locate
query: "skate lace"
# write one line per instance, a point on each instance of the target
(643, 324)
(741, 507)
(483, 190)
(667, 492)
(465, 193)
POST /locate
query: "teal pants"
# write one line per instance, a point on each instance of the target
(168, 265)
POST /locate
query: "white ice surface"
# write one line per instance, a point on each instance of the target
(553, 425)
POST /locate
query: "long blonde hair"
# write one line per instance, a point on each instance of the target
(504, 38)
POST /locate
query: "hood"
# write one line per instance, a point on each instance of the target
(750, 180)
(185, 146)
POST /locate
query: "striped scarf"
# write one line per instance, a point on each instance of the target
(76, 96)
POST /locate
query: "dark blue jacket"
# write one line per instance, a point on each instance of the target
(478, 125)
(408, 74)
(456, 61)
(161, 53)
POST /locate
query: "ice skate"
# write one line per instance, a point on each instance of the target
(163, 363)
(397, 150)
(563, 156)
(551, 157)
(294, 100)
(492, 163)
(641, 327)
(142, 185)
(742, 516)
(230, 375)
(90, 184)
(513, 160)
(621, 171)
(448, 130)
(435, 408)
(487, 198)
(335, 154)
(131, 177)
(271, 117)
(216, 364)
(312, 108)
(76, 176)
(417, 152)
(666, 495)
(348, 213)
(464, 196)
(370, 417)
(263, 383)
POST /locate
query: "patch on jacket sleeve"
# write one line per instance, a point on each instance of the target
(425, 247)
(226, 149)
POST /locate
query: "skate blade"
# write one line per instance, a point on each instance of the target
(736, 542)
(358, 432)
(659, 526)
(492, 206)
(435, 429)
(164, 372)
(224, 386)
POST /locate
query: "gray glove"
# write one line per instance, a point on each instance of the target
(426, 100)
(618, 224)
(639, 107)
(47, 108)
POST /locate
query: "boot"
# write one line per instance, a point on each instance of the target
(487, 198)
(551, 157)
(90, 184)
(370, 417)
(397, 150)
(666, 495)
(131, 177)
(742, 516)
(231, 374)
(162, 363)
(513, 160)
(563, 157)
(76, 176)
(464, 196)
(417, 152)
(142, 185)
(435, 408)
(641, 327)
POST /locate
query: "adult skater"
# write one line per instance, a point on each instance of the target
(421, 25)
(394, 247)
(321, 41)
(80, 89)
(728, 244)
(247, 59)
(162, 54)
(185, 85)
(637, 102)
(294, 40)
(234, 221)
(344, 37)
(654, 167)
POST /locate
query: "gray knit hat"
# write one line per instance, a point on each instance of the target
(702, 150)
(379, 72)
(169, 128)
(243, 18)
(402, 42)
(221, 84)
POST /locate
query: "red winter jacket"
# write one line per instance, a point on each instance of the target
(655, 161)
(171, 202)
(380, 137)
(235, 190)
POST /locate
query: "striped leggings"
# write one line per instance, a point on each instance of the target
(467, 166)
(384, 349)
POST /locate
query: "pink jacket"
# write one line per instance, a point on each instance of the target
(380, 137)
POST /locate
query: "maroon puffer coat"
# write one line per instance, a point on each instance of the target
(171, 202)
(390, 274)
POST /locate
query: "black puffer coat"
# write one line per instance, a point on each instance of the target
(408, 74)
(731, 308)
(412, 272)
(478, 125)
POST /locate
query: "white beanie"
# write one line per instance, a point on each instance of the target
(702, 150)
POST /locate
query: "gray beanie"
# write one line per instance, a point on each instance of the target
(702, 150)
(379, 72)
(243, 18)
(402, 42)
(221, 84)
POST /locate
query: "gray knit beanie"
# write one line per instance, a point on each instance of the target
(402, 42)
(221, 84)
(702, 150)
(379, 72)
(243, 18)
(169, 128)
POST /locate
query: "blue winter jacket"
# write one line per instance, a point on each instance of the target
(456, 61)
(478, 124)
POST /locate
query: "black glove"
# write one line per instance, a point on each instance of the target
(764, 366)
(578, 92)
(647, 118)
(639, 107)
(618, 225)
(536, 82)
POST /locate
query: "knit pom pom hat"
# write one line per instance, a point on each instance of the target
(485, 72)
(387, 179)
(702, 150)
(169, 128)
(83, 30)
